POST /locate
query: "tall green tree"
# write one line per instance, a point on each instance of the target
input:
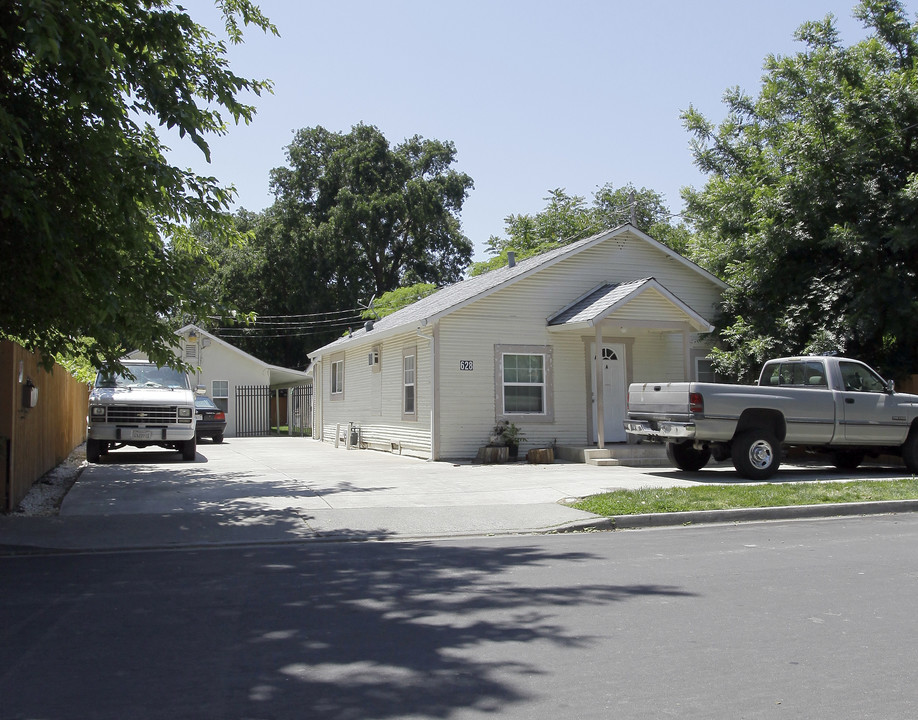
(810, 209)
(566, 218)
(96, 253)
(354, 217)
(386, 215)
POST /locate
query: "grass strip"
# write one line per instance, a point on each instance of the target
(725, 497)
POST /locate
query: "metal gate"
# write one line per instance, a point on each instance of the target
(300, 408)
(253, 410)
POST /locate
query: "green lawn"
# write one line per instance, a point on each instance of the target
(724, 497)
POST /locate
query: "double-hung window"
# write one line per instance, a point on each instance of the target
(409, 384)
(336, 381)
(220, 394)
(524, 382)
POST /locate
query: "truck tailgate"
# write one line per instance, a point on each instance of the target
(663, 400)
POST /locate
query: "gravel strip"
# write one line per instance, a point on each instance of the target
(46, 495)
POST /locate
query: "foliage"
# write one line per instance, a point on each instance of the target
(810, 207)
(385, 216)
(353, 218)
(389, 302)
(568, 217)
(95, 254)
(508, 433)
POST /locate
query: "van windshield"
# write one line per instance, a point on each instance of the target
(143, 376)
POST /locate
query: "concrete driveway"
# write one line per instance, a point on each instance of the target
(254, 490)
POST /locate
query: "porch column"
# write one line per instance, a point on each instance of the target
(686, 354)
(600, 410)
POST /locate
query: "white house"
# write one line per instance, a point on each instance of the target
(519, 343)
(239, 383)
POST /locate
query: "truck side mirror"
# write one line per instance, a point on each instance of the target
(890, 387)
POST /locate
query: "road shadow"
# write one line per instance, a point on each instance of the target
(325, 631)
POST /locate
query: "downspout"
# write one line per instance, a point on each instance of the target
(434, 384)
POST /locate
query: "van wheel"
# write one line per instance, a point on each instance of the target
(189, 449)
(910, 451)
(756, 455)
(93, 450)
(687, 457)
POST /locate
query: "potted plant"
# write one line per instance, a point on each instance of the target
(510, 435)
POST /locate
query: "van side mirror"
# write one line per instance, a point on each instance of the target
(200, 389)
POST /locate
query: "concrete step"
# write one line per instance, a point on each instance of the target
(619, 454)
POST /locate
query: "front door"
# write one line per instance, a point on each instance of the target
(614, 396)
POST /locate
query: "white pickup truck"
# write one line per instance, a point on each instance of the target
(145, 405)
(829, 404)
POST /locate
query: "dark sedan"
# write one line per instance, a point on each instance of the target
(211, 419)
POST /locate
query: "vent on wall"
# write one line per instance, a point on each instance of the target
(373, 358)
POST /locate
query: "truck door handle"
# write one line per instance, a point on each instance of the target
(850, 401)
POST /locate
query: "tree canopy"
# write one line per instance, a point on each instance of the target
(810, 208)
(566, 218)
(97, 258)
(354, 217)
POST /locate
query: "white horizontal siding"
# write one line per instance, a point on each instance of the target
(372, 401)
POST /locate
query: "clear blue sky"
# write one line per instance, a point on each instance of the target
(535, 95)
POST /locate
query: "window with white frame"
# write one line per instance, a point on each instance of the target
(220, 394)
(409, 384)
(523, 382)
(336, 384)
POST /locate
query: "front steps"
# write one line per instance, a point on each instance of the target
(618, 455)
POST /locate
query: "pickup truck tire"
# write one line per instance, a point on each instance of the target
(189, 450)
(910, 451)
(756, 454)
(93, 450)
(687, 457)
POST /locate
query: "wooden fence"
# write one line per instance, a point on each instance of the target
(42, 419)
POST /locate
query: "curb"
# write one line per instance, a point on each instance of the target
(789, 512)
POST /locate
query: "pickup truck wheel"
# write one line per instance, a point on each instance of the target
(93, 450)
(687, 457)
(756, 455)
(189, 449)
(910, 451)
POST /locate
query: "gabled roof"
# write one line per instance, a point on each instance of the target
(277, 376)
(599, 304)
(456, 296)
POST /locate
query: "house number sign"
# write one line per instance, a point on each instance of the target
(466, 364)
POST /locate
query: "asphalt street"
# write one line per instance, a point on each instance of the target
(803, 619)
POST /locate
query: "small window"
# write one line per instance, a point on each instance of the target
(220, 394)
(409, 367)
(704, 370)
(373, 359)
(337, 378)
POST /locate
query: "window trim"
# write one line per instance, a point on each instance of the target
(215, 396)
(548, 411)
(410, 352)
(336, 360)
